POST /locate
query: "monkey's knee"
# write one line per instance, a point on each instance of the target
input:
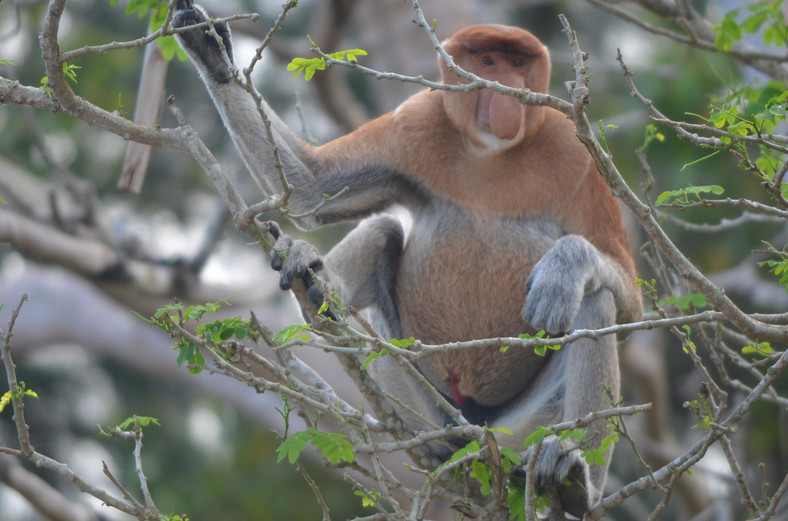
(597, 310)
(384, 231)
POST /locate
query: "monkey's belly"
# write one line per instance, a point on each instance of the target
(467, 293)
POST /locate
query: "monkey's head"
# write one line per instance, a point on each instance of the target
(509, 55)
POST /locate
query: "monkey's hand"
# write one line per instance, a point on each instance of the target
(297, 259)
(558, 283)
(202, 44)
(560, 465)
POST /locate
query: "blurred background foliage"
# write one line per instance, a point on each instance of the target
(209, 460)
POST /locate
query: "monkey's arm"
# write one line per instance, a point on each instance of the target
(362, 268)
(569, 271)
(316, 174)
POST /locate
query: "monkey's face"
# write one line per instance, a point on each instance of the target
(512, 57)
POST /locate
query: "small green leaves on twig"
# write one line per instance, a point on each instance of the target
(765, 15)
(538, 350)
(602, 129)
(214, 334)
(651, 134)
(688, 195)
(133, 424)
(685, 303)
(333, 446)
(18, 393)
(760, 348)
(368, 498)
(294, 332)
(404, 343)
(310, 65)
(597, 456)
(69, 71)
(158, 10)
(778, 267)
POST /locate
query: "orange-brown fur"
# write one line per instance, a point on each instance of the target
(471, 283)
(503, 197)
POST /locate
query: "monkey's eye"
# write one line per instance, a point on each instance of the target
(486, 60)
(518, 62)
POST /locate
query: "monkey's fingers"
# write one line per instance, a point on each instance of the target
(181, 5)
(273, 228)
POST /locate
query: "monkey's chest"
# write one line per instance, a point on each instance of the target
(464, 279)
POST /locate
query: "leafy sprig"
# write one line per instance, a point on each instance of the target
(308, 66)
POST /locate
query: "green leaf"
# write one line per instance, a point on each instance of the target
(293, 446)
(308, 66)
(290, 333)
(482, 472)
(576, 435)
(70, 71)
(403, 343)
(602, 139)
(368, 499)
(728, 32)
(45, 86)
(607, 441)
(167, 310)
(349, 55)
(5, 400)
(333, 446)
(372, 357)
(197, 311)
(510, 458)
(135, 423)
(471, 447)
(501, 430)
(537, 436)
(191, 356)
(761, 348)
(685, 302)
(19, 393)
(682, 196)
(778, 268)
(594, 457)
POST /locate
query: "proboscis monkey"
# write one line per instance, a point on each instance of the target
(513, 231)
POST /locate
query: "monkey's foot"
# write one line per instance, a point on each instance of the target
(203, 43)
(561, 466)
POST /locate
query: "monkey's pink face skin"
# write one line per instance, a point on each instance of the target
(491, 122)
(497, 114)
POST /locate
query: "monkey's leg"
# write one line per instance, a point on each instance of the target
(588, 364)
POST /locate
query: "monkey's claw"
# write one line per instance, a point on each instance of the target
(201, 43)
(296, 259)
